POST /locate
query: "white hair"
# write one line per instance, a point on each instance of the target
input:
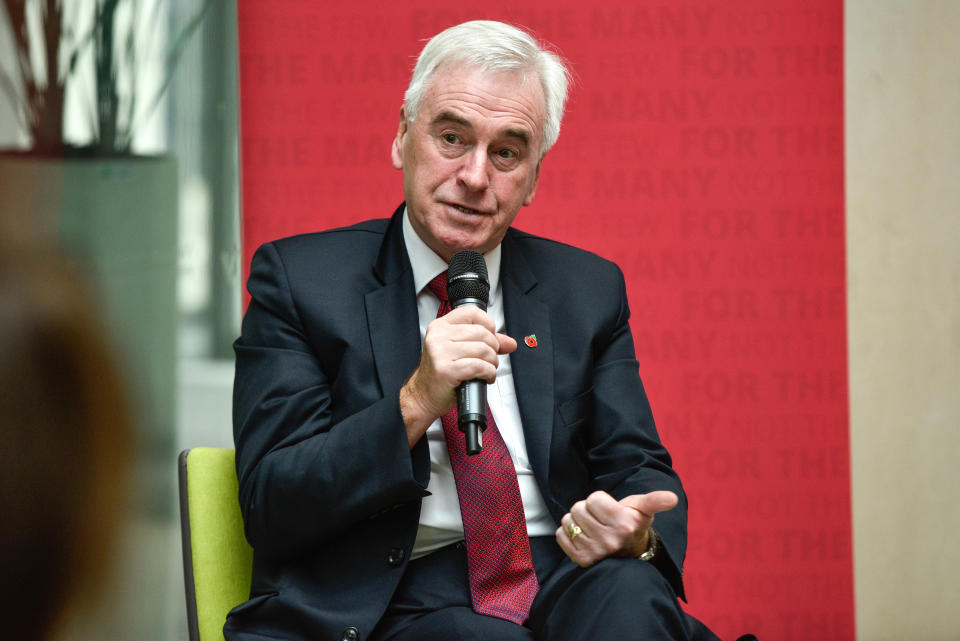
(493, 46)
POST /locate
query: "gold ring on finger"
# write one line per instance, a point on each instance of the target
(573, 531)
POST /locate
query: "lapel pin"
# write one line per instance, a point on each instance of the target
(530, 340)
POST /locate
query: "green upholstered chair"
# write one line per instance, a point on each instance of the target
(217, 560)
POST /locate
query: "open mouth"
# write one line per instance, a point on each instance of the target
(465, 210)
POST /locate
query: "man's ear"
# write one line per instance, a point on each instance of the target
(533, 188)
(396, 150)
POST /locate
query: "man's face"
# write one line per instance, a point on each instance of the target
(471, 158)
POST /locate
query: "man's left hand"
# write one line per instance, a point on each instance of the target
(608, 527)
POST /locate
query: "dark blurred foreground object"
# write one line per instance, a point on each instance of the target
(65, 437)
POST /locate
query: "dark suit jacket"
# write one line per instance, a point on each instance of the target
(329, 489)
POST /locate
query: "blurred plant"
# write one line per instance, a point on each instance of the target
(54, 39)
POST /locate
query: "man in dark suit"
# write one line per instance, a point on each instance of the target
(366, 518)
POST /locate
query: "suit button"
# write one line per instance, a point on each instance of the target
(396, 556)
(350, 634)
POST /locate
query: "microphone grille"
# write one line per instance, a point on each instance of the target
(467, 277)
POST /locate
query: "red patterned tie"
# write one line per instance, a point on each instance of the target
(502, 579)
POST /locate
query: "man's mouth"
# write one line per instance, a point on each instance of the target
(465, 210)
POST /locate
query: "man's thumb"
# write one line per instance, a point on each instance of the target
(651, 503)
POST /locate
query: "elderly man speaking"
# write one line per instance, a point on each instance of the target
(368, 519)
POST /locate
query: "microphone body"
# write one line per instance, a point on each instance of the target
(467, 284)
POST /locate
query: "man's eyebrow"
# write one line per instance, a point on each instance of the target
(522, 134)
(449, 116)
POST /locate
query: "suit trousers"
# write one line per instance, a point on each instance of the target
(613, 600)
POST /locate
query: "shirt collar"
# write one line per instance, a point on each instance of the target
(426, 264)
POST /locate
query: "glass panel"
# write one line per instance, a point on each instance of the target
(145, 194)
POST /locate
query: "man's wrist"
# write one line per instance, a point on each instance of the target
(416, 419)
(653, 544)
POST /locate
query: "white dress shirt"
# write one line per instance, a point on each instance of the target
(440, 521)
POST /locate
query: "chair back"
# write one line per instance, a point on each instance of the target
(217, 560)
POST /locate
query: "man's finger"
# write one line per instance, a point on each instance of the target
(603, 507)
(471, 315)
(508, 344)
(651, 503)
(578, 556)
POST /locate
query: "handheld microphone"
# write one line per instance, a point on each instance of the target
(467, 284)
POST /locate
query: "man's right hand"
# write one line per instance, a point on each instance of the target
(460, 346)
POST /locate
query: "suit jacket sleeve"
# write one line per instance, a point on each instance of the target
(605, 437)
(632, 460)
(306, 473)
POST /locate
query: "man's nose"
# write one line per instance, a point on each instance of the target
(474, 173)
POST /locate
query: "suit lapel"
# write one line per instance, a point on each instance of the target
(394, 326)
(525, 315)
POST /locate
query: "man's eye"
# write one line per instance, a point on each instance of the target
(507, 153)
(451, 138)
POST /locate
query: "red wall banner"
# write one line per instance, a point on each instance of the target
(703, 152)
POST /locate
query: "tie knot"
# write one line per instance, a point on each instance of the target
(439, 287)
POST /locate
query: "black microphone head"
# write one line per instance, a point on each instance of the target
(467, 279)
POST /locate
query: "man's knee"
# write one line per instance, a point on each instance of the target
(615, 598)
(459, 624)
(629, 576)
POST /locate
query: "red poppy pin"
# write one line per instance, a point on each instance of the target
(530, 340)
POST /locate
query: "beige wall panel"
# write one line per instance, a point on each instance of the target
(903, 249)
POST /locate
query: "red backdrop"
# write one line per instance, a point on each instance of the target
(703, 151)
